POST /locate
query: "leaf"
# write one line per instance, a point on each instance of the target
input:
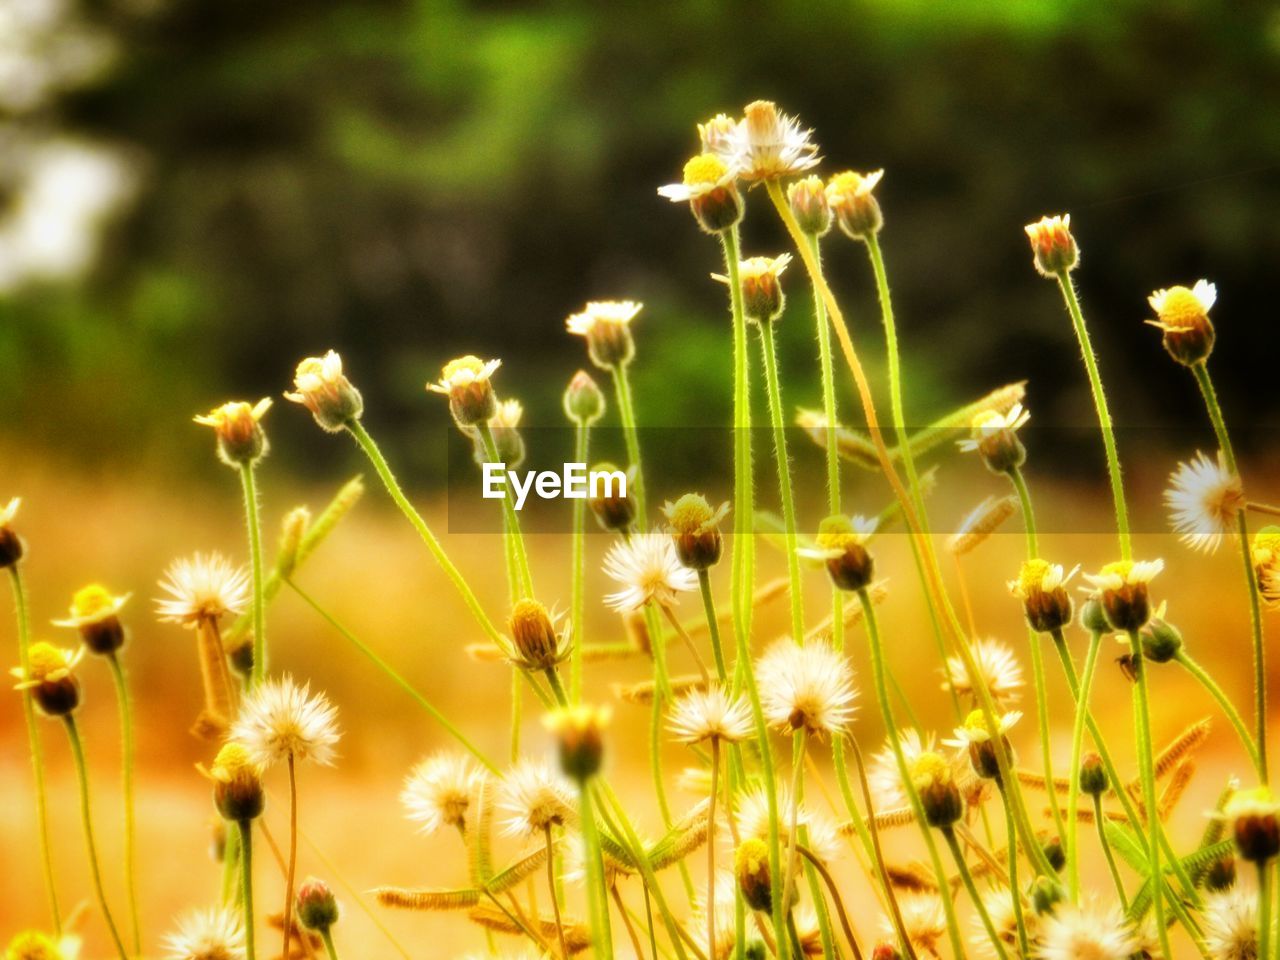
(1127, 845)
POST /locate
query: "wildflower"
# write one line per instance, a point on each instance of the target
(1161, 640)
(1041, 586)
(852, 199)
(1052, 245)
(999, 906)
(982, 521)
(583, 400)
(1230, 923)
(579, 731)
(806, 688)
(34, 945)
(753, 819)
(649, 570)
(695, 530)
(934, 780)
(438, 791)
(539, 643)
(1204, 500)
(537, 799)
(709, 187)
(884, 775)
(11, 546)
(760, 278)
(606, 325)
(202, 588)
(238, 427)
(711, 714)
(751, 867)
(995, 438)
(320, 385)
(95, 613)
(281, 720)
(504, 428)
(842, 546)
(317, 906)
(998, 671)
(466, 382)
(612, 503)
(1123, 589)
(1265, 553)
(924, 919)
(50, 676)
(237, 784)
(215, 933)
(979, 739)
(1087, 932)
(1093, 775)
(1220, 875)
(1254, 817)
(717, 135)
(807, 198)
(769, 145)
(1183, 315)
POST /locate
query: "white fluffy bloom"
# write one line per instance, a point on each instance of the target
(280, 719)
(1204, 498)
(648, 569)
(202, 587)
(1089, 932)
(924, 918)
(535, 797)
(883, 775)
(808, 687)
(998, 668)
(210, 934)
(602, 313)
(1231, 925)
(765, 144)
(701, 715)
(438, 791)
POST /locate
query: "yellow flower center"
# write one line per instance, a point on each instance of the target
(976, 722)
(847, 184)
(232, 759)
(464, 365)
(1181, 309)
(837, 533)
(1031, 576)
(92, 601)
(1120, 568)
(690, 514)
(704, 168)
(930, 768)
(44, 659)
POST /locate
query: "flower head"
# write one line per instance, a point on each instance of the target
(809, 687)
(1231, 925)
(769, 145)
(998, 671)
(466, 382)
(980, 739)
(1087, 932)
(606, 326)
(536, 798)
(1053, 247)
(934, 779)
(237, 783)
(761, 280)
(717, 135)
(238, 427)
(852, 199)
(281, 720)
(1042, 588)
(579, 732)
(924, 919)
(809, 204)
(999, 905)
(695, 530)
(317, 906)
(439, 790)
(1254, 817)
(34, 945)
(504, 427)
(709, 187)
(95, 613)
(995, 438)
(841, 545)
(1204, 499)
(583, 399)
(50, 676)
(711, 714)
(1183, 315)
(1265, 552)
(215, 933)
(320, 385)
(883, 775)
(202, 588)
(11, 548)
(540, 643)
(649, 570)
(1123, 590)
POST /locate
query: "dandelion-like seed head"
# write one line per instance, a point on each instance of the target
(11, 546)
(998, 671)
(1204, 499)
(606, 326)
(1183, 315)
(852, 199)
(203, 587)
(238, 427)
(1087, 932)
(806, 688)
(1053, 247)
(1123, 590)
(710, 715)
(439, 790)
(883, 775)
(579, 732)
(995, 439)
(924, 919)
(95, 613)
(695, 530)
(281, 720)
(1230, 921)
(841, 545)
(467, 382)
(320, 385)
(1042, 588)
(535, 798)
(214, 933)
(999, 906)
(761, 280)
(649, 570)
(50, 677)
(765, 145)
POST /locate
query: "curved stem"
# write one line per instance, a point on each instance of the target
(512, 517)
(1073, 790)
(1100, 820)
(626, 922)
(978, 905)
(551, 887)
(579, 596)
(245, 829)
(895, 911)
(627, 415)
(834, 890)
(128, 751)
(1015, 889)
(248, 482)
(1226, 706)
(828, 386)
(327, 937)
(713, 626)
(683, 634)
(293, 855)
(86, 814)
(1028, 514)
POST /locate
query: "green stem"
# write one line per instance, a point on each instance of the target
(801, 742)
(249, 484)
(1015, 888)
(512, 517)
(1077, 744)
(327, 937)
(396, 678)
(1100, 820)
(86, 814)
(245, 832)
(128, 750)
(711, 845)
(37, 750)
(950, 835)
(1028, 514)
(828, 387)
(1224, 704)
(579, 596)
(553, 890)
(1264, 909)
(287, 927)
(627, 415)
(713, 625)
(380, 466)
(1104, 413)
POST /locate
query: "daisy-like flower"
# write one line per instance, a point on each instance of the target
(1042, 588)
(1254, 818)
(923, 918)
(695, 530)
(709, 187)
(1088, 932)
(281, 720)
(320, 385)
(466, 381)
(851, 197)
(1230, 922)
(536, 799)
(1123, 589)
(50, 676)
(995, 438)
(11, 549)
(998, 671)
(711, 714)
(215, 933)
(202, 588)
(1265, 552)
(34, 945)
(761, 280)
(438, 791)
(1053, 248)
(841, 545)
(806, 688)
(883, 775)
(95, 613)
(979, 740)
(649, 570)
(238, 427)
(1183, 315)
(537, 637)
(999, 906)
(769, 145)
(606, 326)
(980, 523)
(1204, 499)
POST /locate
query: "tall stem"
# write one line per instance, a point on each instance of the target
(35, 747)
(551, 887)
(86, 814)
(1100, 821)
(245, 831)
(1264, 909)
(249, 484)
(981, 908)
(627, 415)
(895, 911)
(711, 847)
(793, 826)
(1015, 888)
(293, 855)
(579, 596)
(1226, 706)
(1073, 789)
(525, 577)
(713, 626)
(327, 937)
(828, 387)
(128, 750)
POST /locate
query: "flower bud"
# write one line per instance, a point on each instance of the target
(884, 950)
(1052, 246)
(466, 382)
(695, 530)
(583, 399)
(1092, 618)
(614, 509)
(762, 298)
(95, 615)
(1093, 775)
(238, 428)
(579, 732)
(50, 678)
(507, 442)
(320, 386)
(1183, 315)
(11, 547)
(240, 656)
(841, 545)
(606, 326)
(1041, 587)
(1123, 590)
(939, 796)
(983, 742)
(1046, 894)
(995, 438)
(852, 199)
(317, 906)
(710, 188)
(1254, 817)
(237, 784)
(1221, 874)
(537, 642)
(808, 200)
(1054, 854)
(1161, 640)
(751, 867)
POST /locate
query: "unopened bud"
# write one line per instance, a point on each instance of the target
(467, 383)
(583, 399)
(238, 428)
(762, 298)
(317, 906)
(1161, 640)
(320, 385)
(1053, 247)
(1092, 617)
(1046, 894)
(11, 547)
(852, 199)
(579, 733)
(1093, 775)
(939, 796)
(237, 784)
(1183, 315)
(613, 508)
(538, 644)
(808, 200)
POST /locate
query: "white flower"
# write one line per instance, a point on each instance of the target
(1204, 500)
(1039, 576)
(439, 789)
(702, 175)
(281, 720)
(991, 423)
(883, 775)
(536, 797)
(975, 729)
(766, 144)
(1203, 291)
(835, 537)
(211, 934)
(808, 687)
(1124, 573)
(10, 511)
(649, 569)
(998, 668)
(701, 715)
(618, 313)
(923, 918)
(1231, 925)
(752, 815)
(1086, 933)
(202, 588)
(462, 373)
(999, 905)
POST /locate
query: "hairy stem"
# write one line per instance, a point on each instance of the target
(327, 937)
(627, 415)
(981, 908)
(520, 554)
(293, 854)
(1015, 889)
(1077, 742)
(1100, 821)
(248, 482)
(128, 752)
(581, 443)
(1227, 707)
(245, 832)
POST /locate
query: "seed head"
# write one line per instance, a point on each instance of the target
(238, 428)
(438, 791)
(1265, 553)
(766, 144)
(280, 720)
(1183, 315)
(535, 798)
(649, 571)
(320, 385)
(1204, 499)
(1052, 246)
(853, 201)
(806, 688)
(1231, 925)
(95, 614)
(216, 933)
(710, 715)
(202, 588)
(466, 382)
(34, 945)
(998, 671)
